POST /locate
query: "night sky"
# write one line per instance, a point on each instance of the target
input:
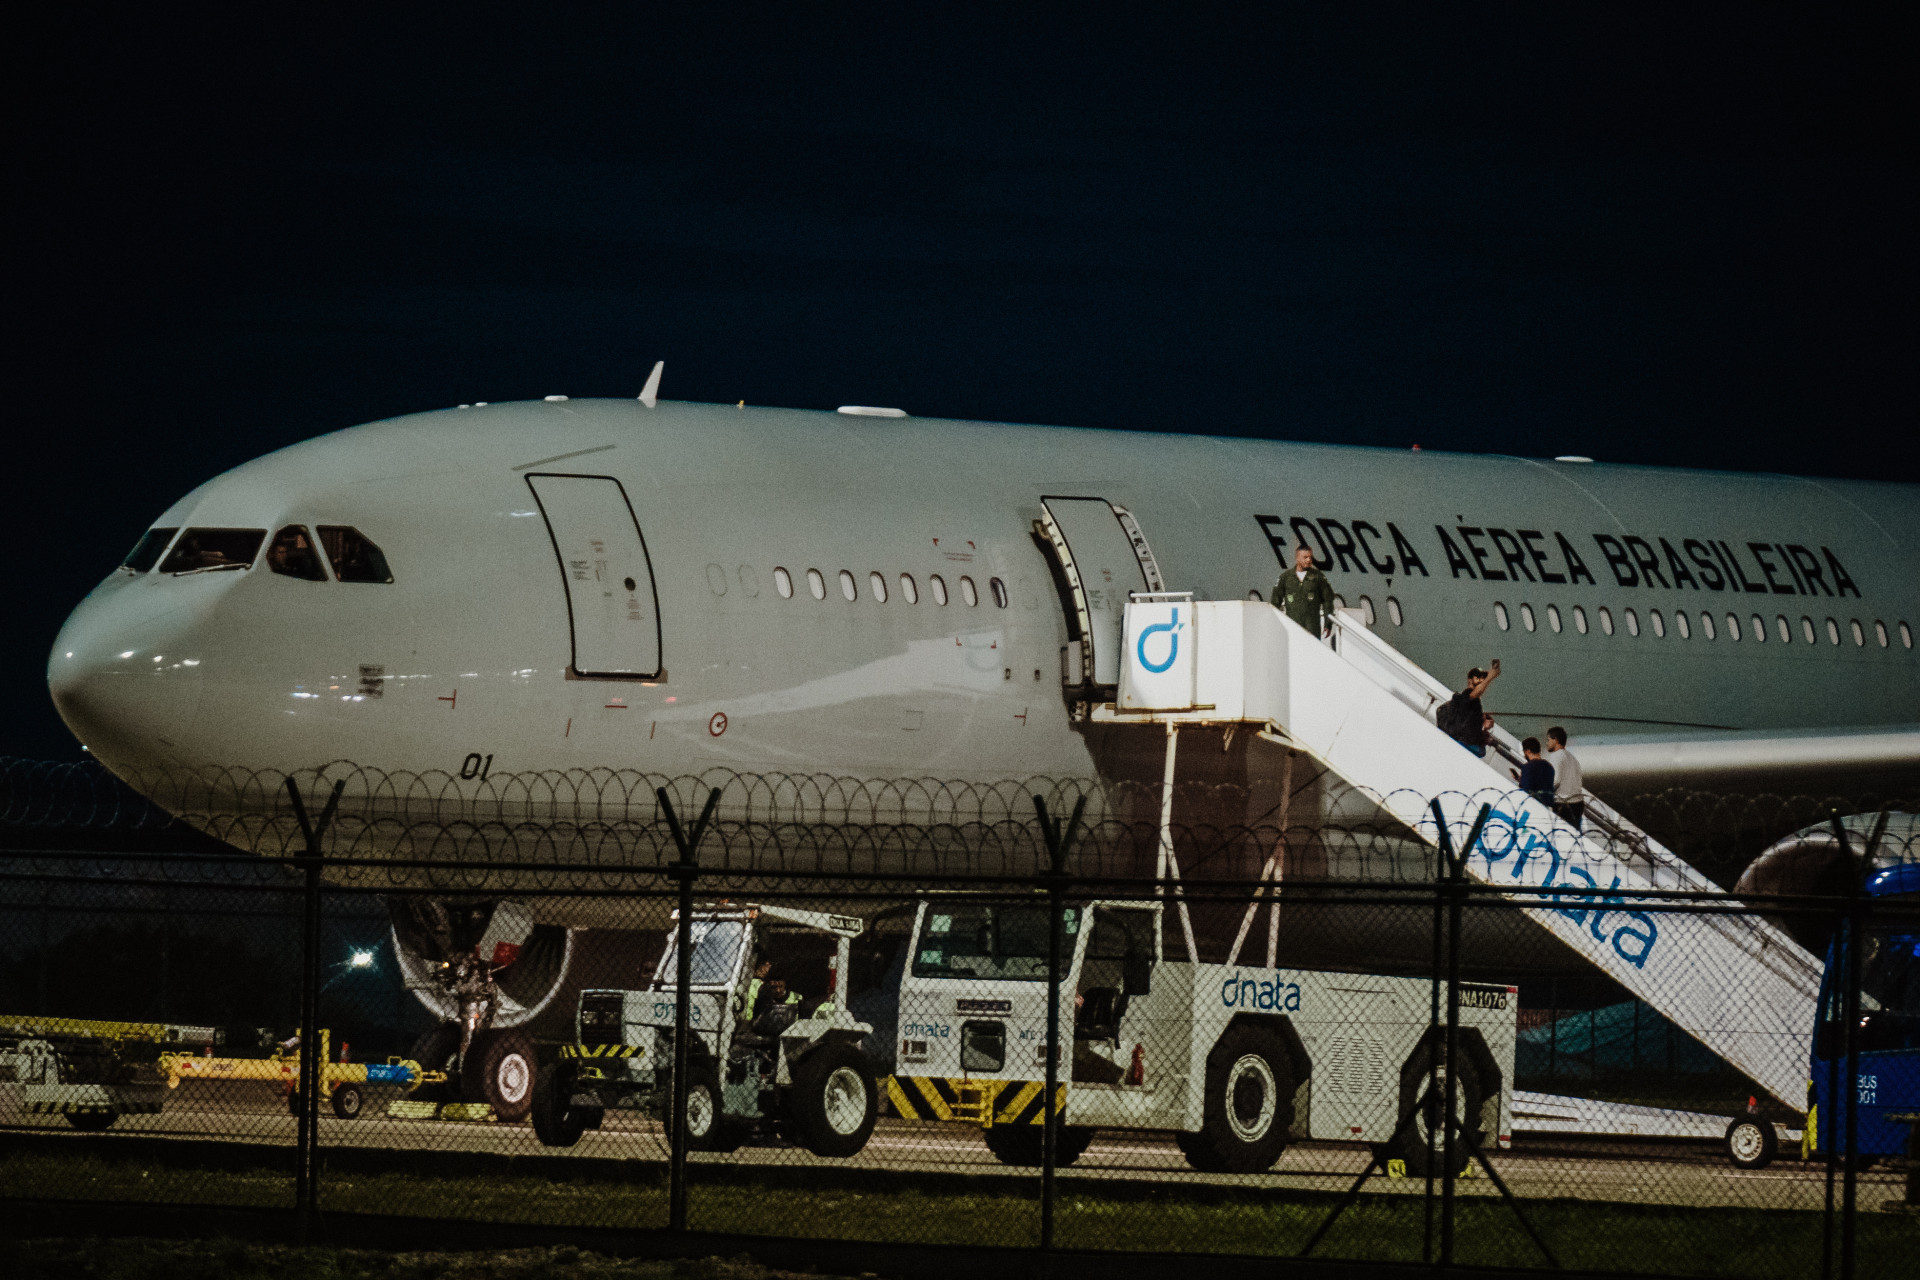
(1668, 234)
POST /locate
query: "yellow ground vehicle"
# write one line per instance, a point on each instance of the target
(341, 1083)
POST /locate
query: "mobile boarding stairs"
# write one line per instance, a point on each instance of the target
(1362, 710)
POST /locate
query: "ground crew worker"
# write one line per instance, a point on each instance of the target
(761, 968)
(1305, 595)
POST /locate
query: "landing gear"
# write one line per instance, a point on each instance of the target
(499, 1072)
(1249, 1105)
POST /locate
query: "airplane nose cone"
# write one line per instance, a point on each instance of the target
(124, 677)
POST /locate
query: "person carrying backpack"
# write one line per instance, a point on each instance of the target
(1461, 718)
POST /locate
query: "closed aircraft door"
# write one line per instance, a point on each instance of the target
(611, 603)
(1103, 556)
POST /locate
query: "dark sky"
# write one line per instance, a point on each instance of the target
(1668, 234)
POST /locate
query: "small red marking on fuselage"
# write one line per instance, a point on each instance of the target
(616, 706)
(451, 700)
(651, 729)
(1022, 717)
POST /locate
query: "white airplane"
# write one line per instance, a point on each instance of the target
(572, 585)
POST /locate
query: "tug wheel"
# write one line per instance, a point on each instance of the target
(1024, 1144)
(835, 1101)
(92, 1121)
(556, 1121)
(1751, 1143)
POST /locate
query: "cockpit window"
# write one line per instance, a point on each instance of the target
(146, 552)
(292, 553)
(355, 558)
(200, 550)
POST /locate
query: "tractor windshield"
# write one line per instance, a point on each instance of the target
(716, 954)
(984, 940)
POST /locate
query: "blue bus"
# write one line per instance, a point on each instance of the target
(1887, 1038)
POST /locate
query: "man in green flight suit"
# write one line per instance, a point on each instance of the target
(1305, 595)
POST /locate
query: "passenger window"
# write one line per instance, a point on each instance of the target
(355, 558)
(847, 587)
(1706, 624)
(1526, 618)
(1633, 622)
(783, 583)
(1255, 594)
(1366, 610)
(1680, 624)
(939, 586)
(1579, 619)
(816, 584)
(146, 552)
(292, 554)
(1807, 632)
(1393, 611)
(203, 549)
(1880, 632)
(1606, 619)
(877, 585)
(1785, 628)
(1859, 636)
(1553, 618)
(967, 592)
(1759, 629)
(1906, 636)
(908, 591)
(1659, 624)
(999, 590)
(1500, 618)
(1733, 627)
(1833, 632)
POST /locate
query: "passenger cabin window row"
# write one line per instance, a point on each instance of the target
(293, 553)
(880, 592)
(1754, 629)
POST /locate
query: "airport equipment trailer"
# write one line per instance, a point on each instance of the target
(341, 1083)
(794, 1071)
(90, 1071)
(1233, 1060)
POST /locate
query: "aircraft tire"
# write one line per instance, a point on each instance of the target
(435, 1051)
(499, 1071)
(835, 1101)
(1249, 1101)
(92, 1121)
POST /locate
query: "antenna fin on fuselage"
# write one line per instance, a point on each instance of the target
(650, 394)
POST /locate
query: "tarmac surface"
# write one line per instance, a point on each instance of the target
(1630, 1171)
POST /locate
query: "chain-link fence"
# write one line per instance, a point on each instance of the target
(928, 1015)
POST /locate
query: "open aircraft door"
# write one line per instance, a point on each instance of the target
(1097, 555)
(611, 603)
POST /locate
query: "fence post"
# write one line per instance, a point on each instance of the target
(1456, 904)
(307, 1124)
(684, 870)
(1857, 908)
(1443, 861)
(1056, 881)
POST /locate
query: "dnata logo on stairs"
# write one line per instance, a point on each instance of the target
(1633, 934)
(1239, 991)
(1172, 628)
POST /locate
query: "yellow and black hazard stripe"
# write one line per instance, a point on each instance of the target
(975, 1101)
(601, 1050)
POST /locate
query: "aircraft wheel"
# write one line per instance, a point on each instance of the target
(1249, 1101)
(1024, 1144)
(92, 1121)
(347, 1101)
(556, 1121)
(835, 1101)
(499, 1072)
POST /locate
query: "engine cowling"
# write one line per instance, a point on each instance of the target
(529, 961)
